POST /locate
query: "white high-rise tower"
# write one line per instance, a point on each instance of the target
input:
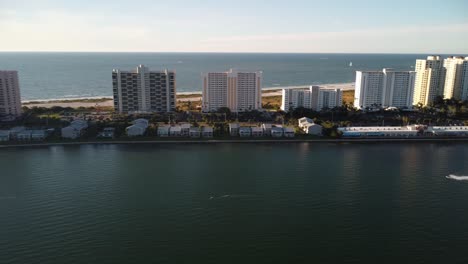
(429, 80)
(456, 78)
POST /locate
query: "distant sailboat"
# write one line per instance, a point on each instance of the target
(351, 64)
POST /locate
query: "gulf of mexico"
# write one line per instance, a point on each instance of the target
(74, 75)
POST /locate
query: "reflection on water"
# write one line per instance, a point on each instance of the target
(230, 203)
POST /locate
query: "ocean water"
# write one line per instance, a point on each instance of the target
(234, 203)
(75, 75)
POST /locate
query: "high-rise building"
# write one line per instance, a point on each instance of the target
(456, 78)
(10, 98)
(239, 91)
(315, 98)
(142, 90)
(429, 81)
(386, 88)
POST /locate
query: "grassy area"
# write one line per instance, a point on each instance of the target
(348, 97)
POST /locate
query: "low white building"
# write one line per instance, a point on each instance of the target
(185, 129)
(108, 132)
(207, 132)
(194, 132)
(276, 132)
(302, 122)
(75, 129)
(39, 135)
(245, 132)
(175, 131)
(388, 131)
(266, 129)
(234, 129)
(309, 127)
(4, 135)
(24, 135)
(256, 131)
(163, 131)
(288, 132)
(138, 128)
(15, 130)
(313, 129)
(448, 130)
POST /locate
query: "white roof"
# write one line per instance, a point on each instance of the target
(266, 125)
(257, 129)
(449, 128)
(388, 129)
(164, 128)
(176, 129)
(207, 129)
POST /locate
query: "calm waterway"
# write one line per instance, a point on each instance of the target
(234, 203)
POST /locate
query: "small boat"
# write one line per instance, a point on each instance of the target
(351, 64)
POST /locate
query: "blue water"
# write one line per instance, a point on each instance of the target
(234, 203)
(74, 75)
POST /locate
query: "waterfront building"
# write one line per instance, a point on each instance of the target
(429, 81)
(448, 130)
(245, 132)
(108, 132)
(4, 135)
(10, 98)
(239, 91)
(163, 131)
(288, 132)
(256, 131)
(185, 129)
(386, 88)
(456, 78)
(75, 129)
(138, 128)
(194, 132)
(276, 132)
(266, 129)
(175, 131)
(315, 98)
(142, 90)
(387, 131)
(207, 132)
(309, 127)
(234, 129)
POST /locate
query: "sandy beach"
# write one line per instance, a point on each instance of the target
(181, 96)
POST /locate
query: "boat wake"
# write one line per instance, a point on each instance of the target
(457, 178)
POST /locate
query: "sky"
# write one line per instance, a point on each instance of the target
(298, 26)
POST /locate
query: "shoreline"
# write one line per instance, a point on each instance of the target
(266, 91)
(237, 141)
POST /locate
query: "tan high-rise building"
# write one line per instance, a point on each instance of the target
(429, 80)
(456, 78)
(239, 91)
(10, 98)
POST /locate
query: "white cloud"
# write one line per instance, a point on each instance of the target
(59, 30)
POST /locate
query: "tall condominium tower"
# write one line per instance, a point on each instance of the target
(239, 91)
(456, 78)
(429, 81)
(386, 88)
(142, 90)
(10, 99)
(315, 98)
